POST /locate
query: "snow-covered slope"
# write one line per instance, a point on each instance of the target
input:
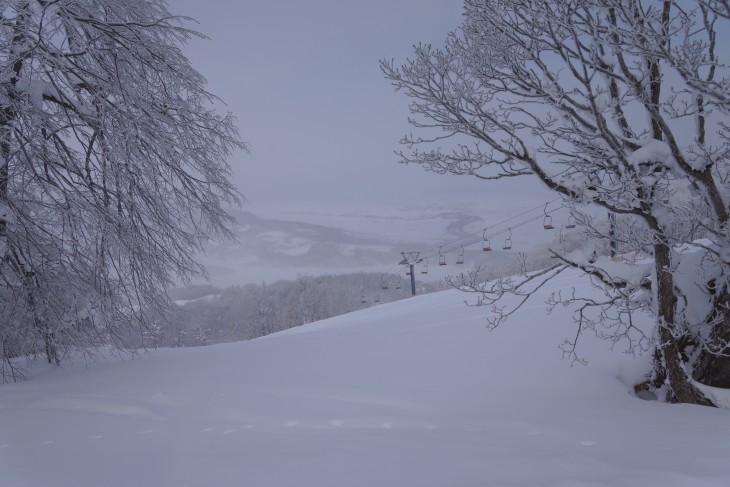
(413, 393)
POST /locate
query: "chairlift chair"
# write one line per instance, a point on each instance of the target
(486, 244)
(442, 258)
(571, 222)
(362, 297)
(508, 241)
(424, 269)
(460, 257)
(377, 299)
(547, 222)
(383, 283)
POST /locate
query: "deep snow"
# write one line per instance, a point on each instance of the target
(412, 393)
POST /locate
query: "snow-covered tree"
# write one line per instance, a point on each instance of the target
(113, 170)
(255, 310)
(614, 104)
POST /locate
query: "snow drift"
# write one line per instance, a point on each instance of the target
(412, 393)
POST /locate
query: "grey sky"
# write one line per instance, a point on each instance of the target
(302, 77)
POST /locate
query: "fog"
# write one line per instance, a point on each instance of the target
(322, 122)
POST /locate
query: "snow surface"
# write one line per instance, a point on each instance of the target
(652, 151)
(609, 59)
(412, 393)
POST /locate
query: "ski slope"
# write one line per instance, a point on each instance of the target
(412, 393)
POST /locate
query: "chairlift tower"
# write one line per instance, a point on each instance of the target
(411, 259)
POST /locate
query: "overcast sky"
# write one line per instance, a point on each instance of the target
(302, 78)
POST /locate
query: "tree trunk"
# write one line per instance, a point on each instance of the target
(679, 387)
(713, 365)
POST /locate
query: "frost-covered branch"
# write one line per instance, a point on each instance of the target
(614, 104)
(114, 170)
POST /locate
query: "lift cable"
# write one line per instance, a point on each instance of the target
(458, 245)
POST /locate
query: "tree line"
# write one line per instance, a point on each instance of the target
(206, 315)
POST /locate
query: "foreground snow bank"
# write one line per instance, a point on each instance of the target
(413, 393)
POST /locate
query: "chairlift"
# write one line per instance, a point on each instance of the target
(383, 283)
(547, 222)
(362, 297)
(508, 241)
(442, 258)
(408, 271)
(424, 269)
(486, 244)
(571, 222)
(460, 257)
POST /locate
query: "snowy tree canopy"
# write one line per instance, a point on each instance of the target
(619, 104)
(113, 169)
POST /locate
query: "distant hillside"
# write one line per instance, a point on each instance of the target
(207, 315)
